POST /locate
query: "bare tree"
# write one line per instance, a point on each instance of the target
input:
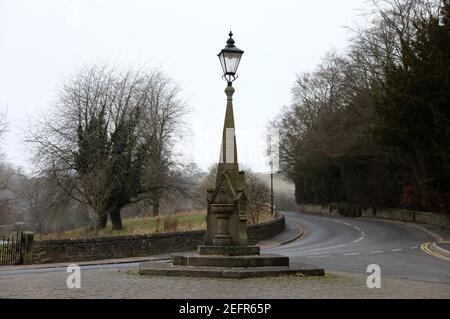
(5, 173)
(391, 25)
(108, 140)
(258, 196)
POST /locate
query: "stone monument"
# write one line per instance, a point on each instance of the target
(225, 251)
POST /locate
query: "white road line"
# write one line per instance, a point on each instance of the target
(349, 225)
(396, 250)
(352, 254)
(414, 248)
(377, 252)
(330, 247)
(322, 256)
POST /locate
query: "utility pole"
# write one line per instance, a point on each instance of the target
(271, 188)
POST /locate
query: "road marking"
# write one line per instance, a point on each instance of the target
(352, 254)
(397, 250)
(425, 248)
(353, 226)
(363, 234)
(330, 247)
(414, 248)
(377, 252)
(322, 256)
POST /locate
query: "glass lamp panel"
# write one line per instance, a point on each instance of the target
(231, 62)
(222, 62)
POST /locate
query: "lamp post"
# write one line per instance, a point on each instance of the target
(225, 252)
(227, 213)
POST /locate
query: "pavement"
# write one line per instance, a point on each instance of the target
(439, 233)
(442, 240)
(96, 263)
(345, 247)
(117, 283)
(292, 232)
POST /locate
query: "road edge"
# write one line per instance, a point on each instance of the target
(435, 236)
(101, 262)
(432, 249)
(294, 238)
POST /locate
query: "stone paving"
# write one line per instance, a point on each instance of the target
(128, 284)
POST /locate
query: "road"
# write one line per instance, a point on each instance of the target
(344, 247)
(351, 244)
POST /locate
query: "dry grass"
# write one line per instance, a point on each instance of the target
(263, 217)
(139, 226)
(186, 221)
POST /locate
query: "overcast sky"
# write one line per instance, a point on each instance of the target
(43, 41)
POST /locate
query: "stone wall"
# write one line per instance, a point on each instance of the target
(394, 214)
(432, 219)
(260, 232)
(319, 210)
(73, 250)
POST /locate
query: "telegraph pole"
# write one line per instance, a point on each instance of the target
(271, 188)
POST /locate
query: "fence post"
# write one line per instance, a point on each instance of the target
(27, 246)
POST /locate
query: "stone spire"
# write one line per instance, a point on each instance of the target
(228, 151)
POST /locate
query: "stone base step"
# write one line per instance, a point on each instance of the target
(231, 262)
(167, 269)
(228, 250)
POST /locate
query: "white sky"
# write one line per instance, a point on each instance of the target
(43, 41)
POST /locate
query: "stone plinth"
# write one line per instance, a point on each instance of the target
(232, 267)
(228, 250)
(231, 261)
(167, 269)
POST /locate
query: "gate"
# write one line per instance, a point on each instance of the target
(11, 250)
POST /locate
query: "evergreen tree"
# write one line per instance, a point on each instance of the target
(414, 106)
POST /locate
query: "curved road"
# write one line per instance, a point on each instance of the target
(351, 244)
(340, 244)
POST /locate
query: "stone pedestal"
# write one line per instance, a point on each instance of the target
(168, 269)
(231, 261)
(228, 250)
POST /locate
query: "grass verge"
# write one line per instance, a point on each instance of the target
(188, 221)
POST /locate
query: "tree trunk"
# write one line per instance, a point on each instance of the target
(155, 212)
(102, 219)
(116, 219)
(421, 178)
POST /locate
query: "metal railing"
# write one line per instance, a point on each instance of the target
(12, 250)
